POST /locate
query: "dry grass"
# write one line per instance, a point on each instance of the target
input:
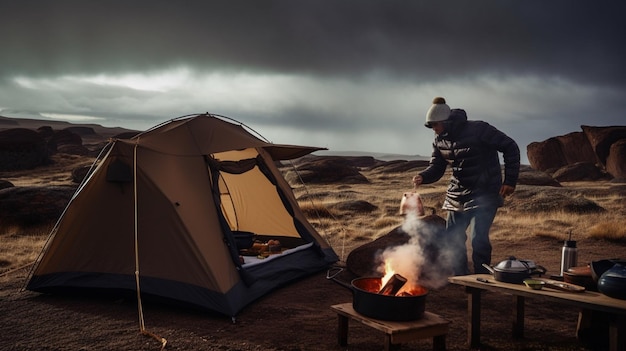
(345, 230)
(59, 172)
(385, 192)
(612, 231)
(20, 247)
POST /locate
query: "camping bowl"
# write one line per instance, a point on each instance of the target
(580, 276)
(534, 284)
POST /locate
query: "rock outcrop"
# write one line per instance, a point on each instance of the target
(352, 206)
(325, 170)
(537, 199)
(601, 139)
(64, 140)
(22, 148)
(365, 259)
(529, 176)
(33, 205)
(616, 160)
(590, 152)
(576, 148)
(579, 171)
(546, 155)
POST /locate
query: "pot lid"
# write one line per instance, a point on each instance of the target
(512, 265)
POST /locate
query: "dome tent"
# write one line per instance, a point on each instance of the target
(159, 213)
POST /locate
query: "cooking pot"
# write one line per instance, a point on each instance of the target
(367, 301)
(613, 282)
(515, 271)
(600, 266)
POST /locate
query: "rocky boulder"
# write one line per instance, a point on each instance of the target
(81, 131)
(326, 170)
(578, 172)
(354, 161)
(67, 142)
(354, 206)
(529, 176)
(366, 260)
(576, 148)
(73, 150)
(546, 155)
(33, 205)
(66, 137)
(534, 199)
(601, 139)
(79, 174)
(22, 148)
(400, 166)
(45, 131)
(591, 146)
(616, 161)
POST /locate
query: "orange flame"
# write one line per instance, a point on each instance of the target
(389, 272)
(410, 288)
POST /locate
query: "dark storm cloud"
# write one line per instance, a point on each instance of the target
(425, 40)
(348, 75)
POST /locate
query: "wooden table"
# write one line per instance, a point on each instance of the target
(431, 325)
(588, 300)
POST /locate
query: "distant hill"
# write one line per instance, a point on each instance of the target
(377, 155)
(31, 123)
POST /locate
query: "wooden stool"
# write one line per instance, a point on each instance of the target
(431, 325)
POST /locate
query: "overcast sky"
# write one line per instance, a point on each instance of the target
(347, 75)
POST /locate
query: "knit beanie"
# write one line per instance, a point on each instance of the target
(438, 112)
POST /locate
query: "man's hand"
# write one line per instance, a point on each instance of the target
(417, 180)
(506, 190)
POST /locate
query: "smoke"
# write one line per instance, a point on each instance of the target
(424, 258)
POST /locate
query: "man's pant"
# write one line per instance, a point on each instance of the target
(480, 220)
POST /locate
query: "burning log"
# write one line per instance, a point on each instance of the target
(395, 283)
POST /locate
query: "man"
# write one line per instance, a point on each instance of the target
(476, 188)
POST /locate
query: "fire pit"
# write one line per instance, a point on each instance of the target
(372, 300)
(407, 305)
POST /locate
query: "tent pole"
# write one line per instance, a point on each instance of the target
(136, 241)
(142, 326)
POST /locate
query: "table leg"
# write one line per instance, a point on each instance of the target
(387, 342)
(439, 343)
(473, 310)
(617, 333)
(342, 329)
(518, 318)
(388, 345)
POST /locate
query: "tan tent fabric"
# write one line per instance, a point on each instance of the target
(166, 199)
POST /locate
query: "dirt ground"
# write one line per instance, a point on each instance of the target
(296, 317)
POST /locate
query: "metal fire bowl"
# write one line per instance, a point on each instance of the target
(368, 302)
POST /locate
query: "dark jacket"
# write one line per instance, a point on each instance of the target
(471, 149)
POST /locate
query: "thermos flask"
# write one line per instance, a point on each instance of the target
(569, 254)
